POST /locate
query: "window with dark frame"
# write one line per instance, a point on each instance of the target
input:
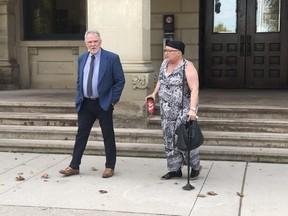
(54, 19)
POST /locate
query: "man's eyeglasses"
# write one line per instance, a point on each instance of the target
(170, 50)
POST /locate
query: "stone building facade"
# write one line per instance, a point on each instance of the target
(131, 28)
(246, 58)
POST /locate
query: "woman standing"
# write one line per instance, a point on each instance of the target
(169, 89)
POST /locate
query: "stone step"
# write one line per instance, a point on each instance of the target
(154, 122)
(256, 133)
(38, 107)
(68, 133)
(234, 124)
(257, 154)
(38, 119)
(59, 119)
(239, 153)
(93, 147)
(253, 112)
(132, 135)
(205, 110)
(245, 125)
(246, 139)
(8, 87)
(237, 111)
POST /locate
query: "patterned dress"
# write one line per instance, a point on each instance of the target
(170, 99)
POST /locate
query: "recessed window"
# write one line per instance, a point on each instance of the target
(54, 19)
(225, 16)
(268, 15)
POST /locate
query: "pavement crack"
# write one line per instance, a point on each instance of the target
(242, 189)
(190, 213)
(20, 164)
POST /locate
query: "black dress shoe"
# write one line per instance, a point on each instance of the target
(175, 174)
(195, 173)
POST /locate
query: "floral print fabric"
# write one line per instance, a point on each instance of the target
(170, 99)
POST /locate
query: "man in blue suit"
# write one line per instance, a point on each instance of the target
(99, 86)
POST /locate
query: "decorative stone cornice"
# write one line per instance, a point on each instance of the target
(4, 2)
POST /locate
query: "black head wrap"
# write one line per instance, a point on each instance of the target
(179, 45)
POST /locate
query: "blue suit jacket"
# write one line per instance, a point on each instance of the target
(111, 79)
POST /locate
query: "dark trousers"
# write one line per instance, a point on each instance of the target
(91, 111)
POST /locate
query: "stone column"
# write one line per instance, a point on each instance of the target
(125, 30)
(8, 66)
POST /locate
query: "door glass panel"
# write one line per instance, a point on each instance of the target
(225, 16)
(268, 15)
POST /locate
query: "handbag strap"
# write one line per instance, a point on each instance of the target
(183, 75)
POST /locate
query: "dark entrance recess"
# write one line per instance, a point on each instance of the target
(244, 44)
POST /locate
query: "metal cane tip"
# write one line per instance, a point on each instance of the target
(188, 187)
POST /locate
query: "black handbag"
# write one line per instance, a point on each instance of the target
(182, 138)
(189, 134)
(195, 135)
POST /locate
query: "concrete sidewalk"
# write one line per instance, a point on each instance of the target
(136, 188)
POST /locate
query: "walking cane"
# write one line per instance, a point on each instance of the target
(188, 186)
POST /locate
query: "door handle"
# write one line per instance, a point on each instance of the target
(242, 45)
(249, 45)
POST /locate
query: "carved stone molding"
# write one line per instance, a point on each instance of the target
(33, 51)
(140, 81)
(4, 2)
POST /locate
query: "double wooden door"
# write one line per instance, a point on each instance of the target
(245, 44)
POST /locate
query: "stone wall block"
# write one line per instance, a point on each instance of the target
(165, 6)
(190, 5)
